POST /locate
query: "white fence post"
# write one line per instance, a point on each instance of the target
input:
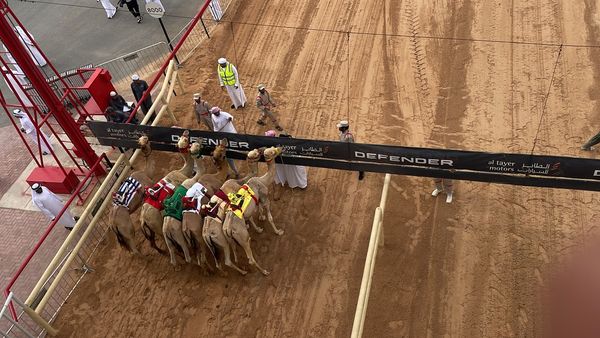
(375, 241)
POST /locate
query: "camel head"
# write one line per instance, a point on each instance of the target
(253, 155)
(145, 145)
(184, 141)
(220, 152)
(196, 150)
(271, 153)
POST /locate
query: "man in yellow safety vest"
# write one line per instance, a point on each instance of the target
(230, 80)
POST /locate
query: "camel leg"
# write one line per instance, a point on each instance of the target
(232, 246)
(171, 248)
(128, 235)
(243, 238)
(261, 213)
(270, 217)
(227, 253)
(180, 239)
(256, 227)
(210, 239)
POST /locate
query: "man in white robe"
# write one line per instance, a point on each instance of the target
(14, 84)
(51, 205)
(33, 51)
(294, 175)
(223, 122)
(28, 128)
(109, 8)
(230, 80)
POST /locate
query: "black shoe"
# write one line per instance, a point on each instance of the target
(76, 218)
(260, 122)
(233, 106)
(45, 153)
(279, 128)
(361, 175)
(70, 229)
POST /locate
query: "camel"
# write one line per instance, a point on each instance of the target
(210, 231)
(203, 184)
(151, 216)
(234, 224)
(129, 198)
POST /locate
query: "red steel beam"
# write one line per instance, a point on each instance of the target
(11, 40)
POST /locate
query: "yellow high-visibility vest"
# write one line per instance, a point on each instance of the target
(227, 74)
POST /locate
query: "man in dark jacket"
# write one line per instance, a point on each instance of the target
(118, 103)
(117, 116)
(138, 88)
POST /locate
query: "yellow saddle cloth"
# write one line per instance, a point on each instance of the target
(239, 202)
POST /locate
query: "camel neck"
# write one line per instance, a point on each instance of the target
(149, 164)
(200, 169)
(269, 176)
(188, 166)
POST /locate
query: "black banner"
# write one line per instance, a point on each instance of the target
(518, 169)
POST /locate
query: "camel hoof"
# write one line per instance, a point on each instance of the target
(259, 230)
(262, 217)
(279, 232)
(266, 273)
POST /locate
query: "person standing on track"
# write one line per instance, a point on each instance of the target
(223, 122)
(443, 185)
(265, 103)
(346, 136)
(202, 111)
(592, 142)
(230, 81)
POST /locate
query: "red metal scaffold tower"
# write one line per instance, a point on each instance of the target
(43, 106)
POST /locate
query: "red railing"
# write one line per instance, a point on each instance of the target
(192, 25)
(98, 163)
(35, 249)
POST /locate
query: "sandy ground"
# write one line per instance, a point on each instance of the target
(474, 268)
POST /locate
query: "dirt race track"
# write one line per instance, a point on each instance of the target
(473, 268)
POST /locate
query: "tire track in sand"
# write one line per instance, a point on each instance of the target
(428, 306)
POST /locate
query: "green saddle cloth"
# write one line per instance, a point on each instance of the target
(174, 204)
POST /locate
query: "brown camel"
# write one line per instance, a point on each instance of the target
(151, 215)
(211, 230)
(234, 226)
(129, 198)
(204, 184)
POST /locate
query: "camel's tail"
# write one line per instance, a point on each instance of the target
(208, 241)
(120, 238)
(149, 234)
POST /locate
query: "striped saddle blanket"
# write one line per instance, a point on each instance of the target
(126, 192)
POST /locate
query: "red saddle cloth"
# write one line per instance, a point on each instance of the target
(190, 203)
(156, 194)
